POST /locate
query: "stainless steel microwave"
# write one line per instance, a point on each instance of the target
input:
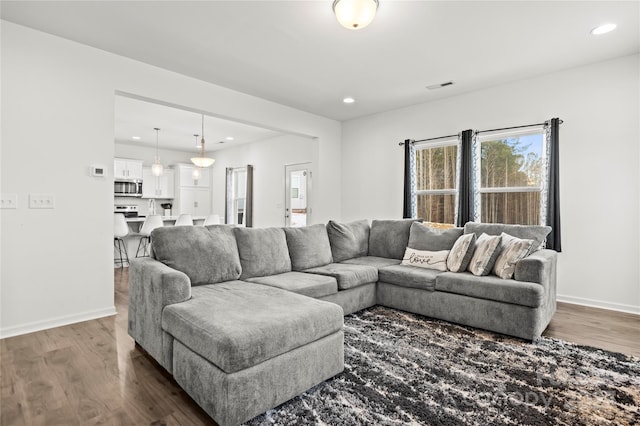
(127, 188)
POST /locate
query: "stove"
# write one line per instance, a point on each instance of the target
(128, 211)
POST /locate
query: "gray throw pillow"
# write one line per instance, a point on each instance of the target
(485, 254)
(461, 253)
(538, 233)
(512, 249)
(422, 237)
(308, 247)
(390, 238)
(348, 240)
(263, 251)
(206, 255)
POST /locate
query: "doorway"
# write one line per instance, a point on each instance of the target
(298, 194)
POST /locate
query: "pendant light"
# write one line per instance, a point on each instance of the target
(157, 168)
(196, 170)
(355, 14)
(203, 160)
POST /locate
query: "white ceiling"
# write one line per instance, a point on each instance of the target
(134, 117)
(295, 53)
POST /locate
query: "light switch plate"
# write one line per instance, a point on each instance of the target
(9, 201)
(42, 201)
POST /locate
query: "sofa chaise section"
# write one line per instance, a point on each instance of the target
(242, 348)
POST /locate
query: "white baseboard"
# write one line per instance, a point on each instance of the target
(55, 322)
(599, 304)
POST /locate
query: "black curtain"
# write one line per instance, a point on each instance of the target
(553, 201)
(465, 190)
(248, 211)
(406, 211)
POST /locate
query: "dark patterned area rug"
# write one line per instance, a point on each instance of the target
(407, 369)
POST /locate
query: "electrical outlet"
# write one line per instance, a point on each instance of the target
(9, 201)
(42, 201)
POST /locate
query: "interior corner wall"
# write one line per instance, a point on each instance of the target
(58, 100)
(599, 166)
(269, 159)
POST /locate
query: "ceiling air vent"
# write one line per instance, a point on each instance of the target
(440, 85)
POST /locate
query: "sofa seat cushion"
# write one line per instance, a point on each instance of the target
(491, 288)
(311, 285)
(378, 262)
(236, 325)
(348, 276)
(409, 276)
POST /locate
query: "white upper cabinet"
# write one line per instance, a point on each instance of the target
(127, 168)
(186, 177)
(158, 186)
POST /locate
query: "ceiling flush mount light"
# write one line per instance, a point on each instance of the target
(348, 100)
(203, 160)
(156, 168)
(135, 138)
(355, 14)
(603, 29)
(229, 138)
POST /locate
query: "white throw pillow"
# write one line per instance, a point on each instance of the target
(461, 253)
(426, 259)
(512, 250)
(485, 254)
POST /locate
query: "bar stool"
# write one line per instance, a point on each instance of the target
(150, 223)
(184, 220)
(120, 230)
(212, 219)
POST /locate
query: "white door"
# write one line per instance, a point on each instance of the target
(297, 195)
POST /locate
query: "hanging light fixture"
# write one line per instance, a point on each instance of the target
(157, 168)
(355, 14)
(196, 170)
(202, 161)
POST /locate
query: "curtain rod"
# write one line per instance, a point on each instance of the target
(429, 139)
(480, 131)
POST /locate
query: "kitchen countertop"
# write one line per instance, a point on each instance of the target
(141, 219)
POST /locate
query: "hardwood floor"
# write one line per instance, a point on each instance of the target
(92, 373)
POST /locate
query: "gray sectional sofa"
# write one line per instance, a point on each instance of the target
(245, 319)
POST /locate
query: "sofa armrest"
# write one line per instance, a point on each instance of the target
(539, 267)
(152, 286)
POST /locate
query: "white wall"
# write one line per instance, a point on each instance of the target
(269, 159)
(58, 113)
(599, 166)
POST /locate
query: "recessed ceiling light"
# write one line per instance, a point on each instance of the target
(603, 29)
(135, 138)
(348, 100)
(229, 138)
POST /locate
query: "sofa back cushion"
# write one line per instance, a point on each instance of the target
(348, 240)
(426, 238)
(206, 255)
(537, 233)
(308, 247)
(263, 251)
(389, 238)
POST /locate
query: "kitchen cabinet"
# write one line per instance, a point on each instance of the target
(127, 168)
(158, 186)
(186, 178)
(192, 196)
(194, 201)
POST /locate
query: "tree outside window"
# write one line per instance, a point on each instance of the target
(436, 181)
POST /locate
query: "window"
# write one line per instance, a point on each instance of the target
(509, 174)
(436, 181)
(236, 195)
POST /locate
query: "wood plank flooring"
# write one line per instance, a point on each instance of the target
(91, 373)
